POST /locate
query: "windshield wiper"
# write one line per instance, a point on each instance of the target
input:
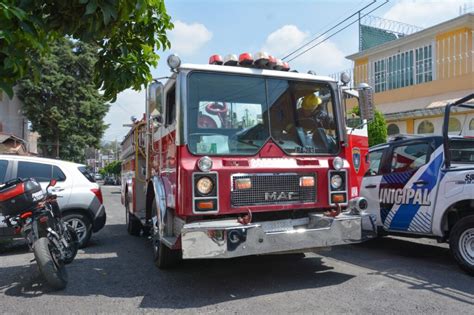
(248, 142)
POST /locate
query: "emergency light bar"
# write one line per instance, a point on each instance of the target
(262, 60)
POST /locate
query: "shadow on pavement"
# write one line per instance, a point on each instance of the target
(118, 265)
(421, 266)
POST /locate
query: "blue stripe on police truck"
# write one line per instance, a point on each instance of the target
(405, 214)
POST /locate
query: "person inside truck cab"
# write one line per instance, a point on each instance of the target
(312, 115)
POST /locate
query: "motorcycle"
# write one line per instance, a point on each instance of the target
(37, 216)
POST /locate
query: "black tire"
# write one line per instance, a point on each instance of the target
(83, 226)
(51, 269)
(461, 243)
(134, 225)
(163, 256)
(73, 242)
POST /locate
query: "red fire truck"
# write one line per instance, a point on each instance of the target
(243, 157)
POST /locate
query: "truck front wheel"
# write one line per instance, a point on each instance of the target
(461, 243)
(163, 256)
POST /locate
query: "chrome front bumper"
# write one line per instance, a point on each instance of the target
(228, 238)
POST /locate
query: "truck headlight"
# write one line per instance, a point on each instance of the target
(205, 185)
(204, 164)
(336, 181)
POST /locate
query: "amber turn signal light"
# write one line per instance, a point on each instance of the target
(306, 181)
(338, 198)
(243, 183)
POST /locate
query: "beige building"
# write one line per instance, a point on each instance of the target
(12, 122)
(415, 76)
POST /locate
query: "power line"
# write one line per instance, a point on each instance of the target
(335, 33)
(290, 50)
(324, 33)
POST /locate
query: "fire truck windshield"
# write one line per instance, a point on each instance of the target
(236, 115)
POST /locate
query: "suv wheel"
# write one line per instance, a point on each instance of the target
(82, 225)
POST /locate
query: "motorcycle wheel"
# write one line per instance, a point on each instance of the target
(50, 268)
(73, 242)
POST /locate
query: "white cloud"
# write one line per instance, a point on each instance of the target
(186, 39)
(424, 13)
(325, 58)
(129, 103)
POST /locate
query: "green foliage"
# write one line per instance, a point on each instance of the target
(126, 33)
(377, 128)
(113, 168)
(64, 106)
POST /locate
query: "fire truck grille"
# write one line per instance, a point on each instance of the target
(280, 188)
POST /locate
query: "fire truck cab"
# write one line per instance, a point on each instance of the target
(243, 157)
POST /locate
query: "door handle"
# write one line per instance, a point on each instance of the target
(421, 182)
(57, 189)
(371, 186)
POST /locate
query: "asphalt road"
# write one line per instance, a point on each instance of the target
(115, 274)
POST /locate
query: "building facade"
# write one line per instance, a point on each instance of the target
(12, 122)
(415, 76)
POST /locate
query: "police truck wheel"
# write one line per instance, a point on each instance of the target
(163, 256)
(133, 224)
(461, 243)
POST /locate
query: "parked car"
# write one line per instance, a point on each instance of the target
(98, 176)
(110, 180)
(79, 196)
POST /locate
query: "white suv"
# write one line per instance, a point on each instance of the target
(79, 196)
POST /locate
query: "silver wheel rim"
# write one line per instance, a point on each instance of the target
(466, 246)
(80, 227)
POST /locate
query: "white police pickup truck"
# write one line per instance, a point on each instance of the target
(424, 186)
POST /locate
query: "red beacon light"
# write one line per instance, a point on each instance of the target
(216, 60)
(271, 62)
(261, 59)
(245, 59)
(230, 60)
(278, 65)
(286, 66)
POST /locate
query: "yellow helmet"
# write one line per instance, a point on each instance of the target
(310, 102)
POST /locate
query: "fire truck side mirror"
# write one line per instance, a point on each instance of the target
(155, 98)
(366, 101)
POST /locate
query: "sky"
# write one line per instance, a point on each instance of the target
(206, 27)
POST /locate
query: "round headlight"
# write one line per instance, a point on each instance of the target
(336, 181)
(173, 61)
(337, 163)
(204, 185)
(205, 164)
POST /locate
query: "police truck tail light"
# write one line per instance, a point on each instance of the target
(243, 183)
(216, 60)
(245, 59)
(306, 181)
(261, 59)
(230, 60)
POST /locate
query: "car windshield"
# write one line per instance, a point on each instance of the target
(237, 115)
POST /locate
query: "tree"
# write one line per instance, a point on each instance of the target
(113, 168)
(127, 34)
(377, 128)
(64, 106)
